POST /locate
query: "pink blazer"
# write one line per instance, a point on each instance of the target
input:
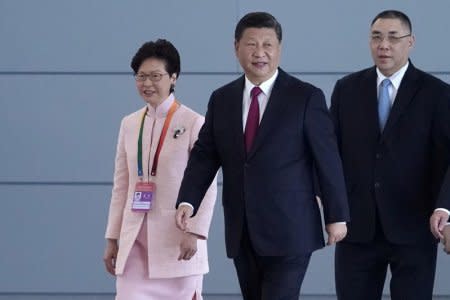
(163, 236)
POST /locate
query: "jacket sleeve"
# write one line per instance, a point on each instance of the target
(201, 222)
(441, 140)
(120, 188)
(322, 141)
(203, 164)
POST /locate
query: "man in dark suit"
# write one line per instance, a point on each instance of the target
(392, 123)
(268, 130)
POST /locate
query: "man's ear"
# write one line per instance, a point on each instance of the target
(236, 46)
(412, 41)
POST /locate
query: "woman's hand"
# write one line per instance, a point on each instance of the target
(188, 246)
(110, 256)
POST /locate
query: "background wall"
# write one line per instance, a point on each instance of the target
(65, 84)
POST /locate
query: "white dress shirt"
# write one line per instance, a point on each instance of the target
(263, 98)
(395, 79)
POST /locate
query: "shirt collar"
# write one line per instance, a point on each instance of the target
(395, 78)
(266, 86)
(162, 109)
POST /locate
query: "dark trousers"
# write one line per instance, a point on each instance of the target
(269, 277)
(360, 270)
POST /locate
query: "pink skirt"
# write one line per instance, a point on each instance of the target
(134, 283)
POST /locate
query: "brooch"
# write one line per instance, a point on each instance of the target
(178, 131)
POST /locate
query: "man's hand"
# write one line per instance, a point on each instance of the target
(184, 212)
(336, 232)
(110, 256)
(446, 239)
(437, 222)
(188, 246)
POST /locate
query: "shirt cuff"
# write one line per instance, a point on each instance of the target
(443, 209)
(186, 204)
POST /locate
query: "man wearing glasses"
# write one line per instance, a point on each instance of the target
(393, 128)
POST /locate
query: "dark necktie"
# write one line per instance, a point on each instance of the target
(251, 127)
(384, 103)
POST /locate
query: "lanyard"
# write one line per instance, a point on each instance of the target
(169, 116)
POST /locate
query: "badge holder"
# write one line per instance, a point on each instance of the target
(143, 196)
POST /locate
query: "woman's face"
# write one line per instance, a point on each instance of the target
(153, 82)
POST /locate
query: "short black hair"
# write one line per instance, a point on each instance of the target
(257, 20)
(394, 14)
(161, 49)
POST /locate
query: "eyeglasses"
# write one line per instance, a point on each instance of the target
(154, 77)
(392, 39)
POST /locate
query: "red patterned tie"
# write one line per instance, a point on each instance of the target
(251, 127)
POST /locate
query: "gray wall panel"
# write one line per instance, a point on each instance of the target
(318, 36)
(52, 35)
(64, 128)
(52, 238)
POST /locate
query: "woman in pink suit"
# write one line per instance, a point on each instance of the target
(150, 257)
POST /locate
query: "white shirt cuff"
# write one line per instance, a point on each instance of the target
(443, 209)
(186, 204)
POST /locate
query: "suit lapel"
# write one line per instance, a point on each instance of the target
(236, 125)
(370, 102)
(273, 111)
(407, 90)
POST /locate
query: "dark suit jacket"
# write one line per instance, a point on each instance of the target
(398, 172)
(271, 188)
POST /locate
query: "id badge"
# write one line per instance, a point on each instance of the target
(143, 196)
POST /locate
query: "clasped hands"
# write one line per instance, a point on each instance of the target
(188, 245)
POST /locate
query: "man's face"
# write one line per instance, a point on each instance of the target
(258, 52)
(390, 44)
